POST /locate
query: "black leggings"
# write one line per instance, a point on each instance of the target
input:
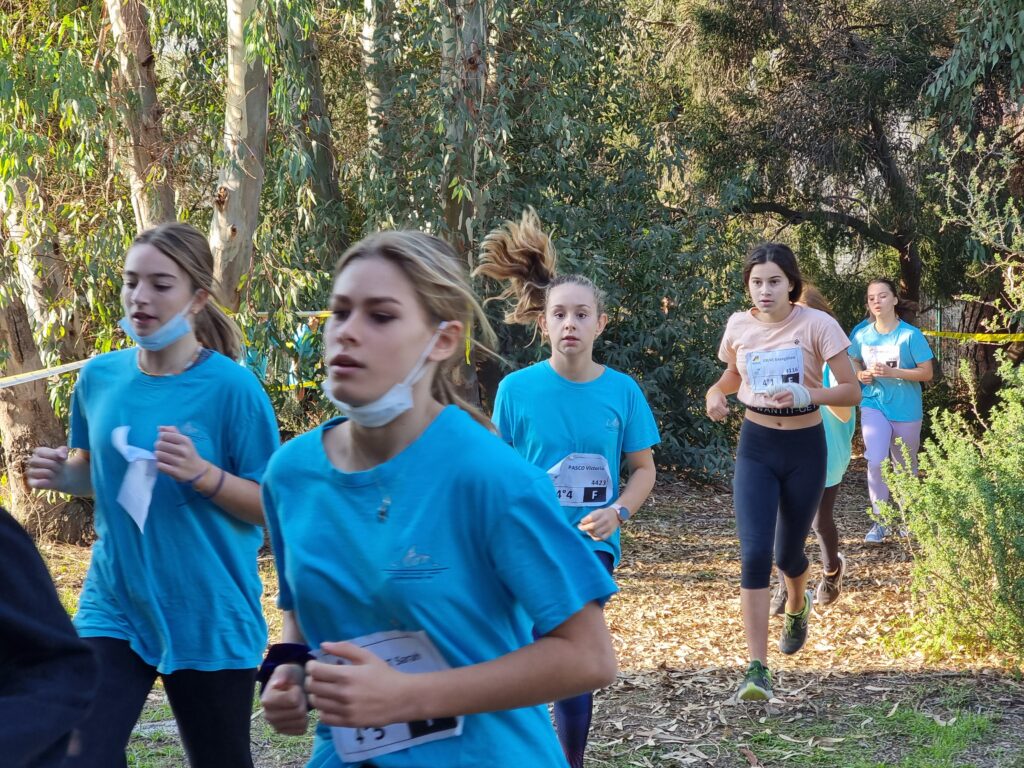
(212, 710)
(780, 476)
(825, 527)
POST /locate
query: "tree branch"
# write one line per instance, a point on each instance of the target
(793, 216)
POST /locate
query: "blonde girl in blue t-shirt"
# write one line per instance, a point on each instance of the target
(892, 360)
(569, 414)
(170, 437)
(409, 538)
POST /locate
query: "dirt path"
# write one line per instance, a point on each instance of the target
(849, 696)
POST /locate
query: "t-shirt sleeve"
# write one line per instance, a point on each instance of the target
(727, 348)
(285, 600)
(854, 350)
(502, 417)
(920, 350)
(831, 339)
(79, 426)
(641, 430)
(540, 559)
(255, 438)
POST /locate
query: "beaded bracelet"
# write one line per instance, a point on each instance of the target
(220, 484)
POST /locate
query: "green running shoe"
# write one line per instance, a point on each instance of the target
(757, 684)
(794, 633)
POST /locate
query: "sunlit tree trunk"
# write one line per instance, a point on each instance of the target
(27, 420)
(237, 200)
(152, 193)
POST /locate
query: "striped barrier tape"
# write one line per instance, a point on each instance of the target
(44, 373)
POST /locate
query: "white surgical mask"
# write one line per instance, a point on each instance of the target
(392, 403)
(165, 335)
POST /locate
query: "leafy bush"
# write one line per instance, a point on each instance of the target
(965, 513)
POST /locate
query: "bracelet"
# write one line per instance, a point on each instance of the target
(279, 654)
(220, 484)
(200, 476)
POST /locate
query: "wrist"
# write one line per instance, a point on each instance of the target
(713, 389)
(622, 512)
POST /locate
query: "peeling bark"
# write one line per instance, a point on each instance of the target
(236, 202)
(27, 420)
(152, 194)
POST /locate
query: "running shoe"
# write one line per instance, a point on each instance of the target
(877, 534)
(794, 632)
(828, 589)
(757, 683)
(778, 604)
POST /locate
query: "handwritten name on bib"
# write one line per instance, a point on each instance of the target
(412, 652)
(767, 368)
(582, 480)
(886, 354)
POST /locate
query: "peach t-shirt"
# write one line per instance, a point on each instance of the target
(794, 349)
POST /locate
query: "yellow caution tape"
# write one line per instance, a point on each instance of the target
(44, 373)
(990, 337)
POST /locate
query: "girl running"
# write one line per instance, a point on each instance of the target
(892, 359)
(840, 423)
(774, 355)
(569, 414)
(171, 438)
(410, 539)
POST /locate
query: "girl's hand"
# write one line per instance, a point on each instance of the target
(600, 524)
(882, 371)
(365, 693)
(46, 468)
(284, 701)
(865, 377)
(176, 456)
(716, 404)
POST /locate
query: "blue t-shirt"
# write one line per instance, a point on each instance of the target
(838, 436)
(472, 550)
(186, 593)
(546, 417)
(903, 347)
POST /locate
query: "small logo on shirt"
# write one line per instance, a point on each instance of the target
(415, 566)
(613, 424)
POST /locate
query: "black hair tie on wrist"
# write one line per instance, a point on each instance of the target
(281, 653)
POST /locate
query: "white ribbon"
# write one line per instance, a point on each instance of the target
(137, 487)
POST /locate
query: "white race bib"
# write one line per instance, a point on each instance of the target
(886, 354)
(766, 368)
(411, 652)
(582, 480)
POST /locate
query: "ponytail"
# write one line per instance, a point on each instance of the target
(521, 254)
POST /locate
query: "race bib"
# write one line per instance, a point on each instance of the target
(411, 652)
(766, 368)
(582, 480)
(886, 354)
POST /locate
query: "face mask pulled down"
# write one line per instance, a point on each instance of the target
(162, 337)
(392, 403)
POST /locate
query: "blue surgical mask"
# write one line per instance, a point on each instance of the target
(392, 403)
(165, 335)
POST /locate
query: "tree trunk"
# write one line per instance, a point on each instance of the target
(386, 176)
(46, 287)
(152, 194)
(910, 279)
(236, 205)
(464, 83)
(27, 420)
(313, 125)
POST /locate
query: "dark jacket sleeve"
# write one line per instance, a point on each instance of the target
(47, 673)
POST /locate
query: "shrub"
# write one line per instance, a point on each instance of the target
(965, 514)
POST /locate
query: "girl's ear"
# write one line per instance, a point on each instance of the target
(199, 301)
(450, 340)
(542, 323)
(602, 321)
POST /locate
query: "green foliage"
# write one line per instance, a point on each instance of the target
(965, 514)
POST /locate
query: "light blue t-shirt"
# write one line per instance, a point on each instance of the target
(546, 417)
(186, 593)
(472, 550)
(838, 437)
(903, 347)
